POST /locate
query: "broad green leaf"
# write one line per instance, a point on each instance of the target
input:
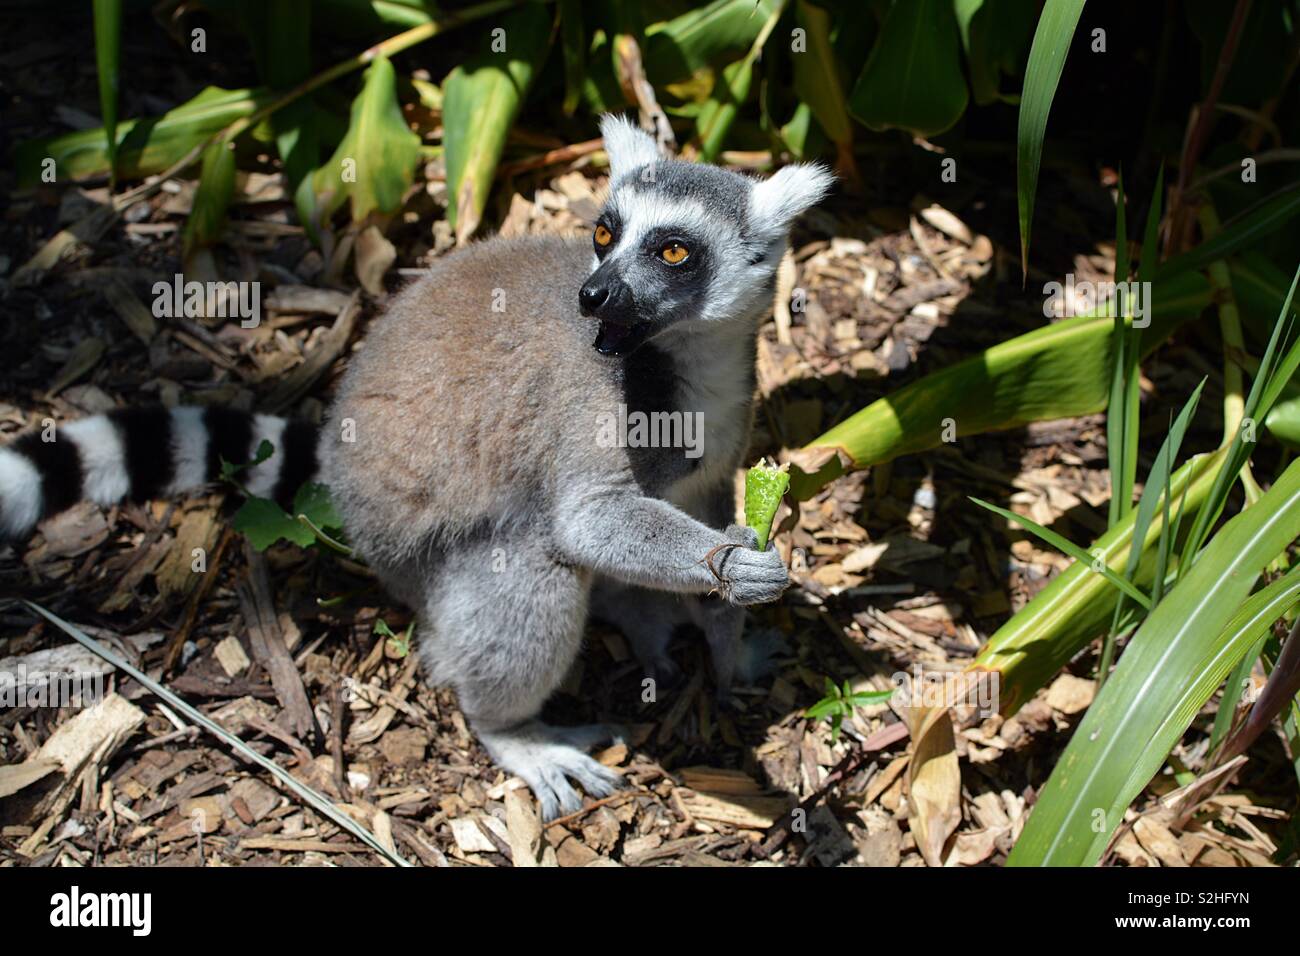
(264, 523)
(818, 82)
(994, 35)
(373, 165)
(1056, 371)
(677, 49)
(573, 39)
(212, 197)
(1283, 421)
(144, 146)
(482, 97)
(1177, 658)
(288, 63)
(913, 78)
(347, 18)
(108, 52)
(313, 500)
(720, 110)
(1042, 74)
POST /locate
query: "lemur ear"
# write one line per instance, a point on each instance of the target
(779, 200)
(627, 145)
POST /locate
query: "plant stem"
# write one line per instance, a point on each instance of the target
(1200, 129)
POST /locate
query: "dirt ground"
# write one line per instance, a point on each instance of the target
(894, 569)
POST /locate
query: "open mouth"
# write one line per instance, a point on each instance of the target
(620, 338)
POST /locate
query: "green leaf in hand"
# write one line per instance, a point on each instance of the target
(764, 487)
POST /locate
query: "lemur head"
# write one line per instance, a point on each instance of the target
(684, 242)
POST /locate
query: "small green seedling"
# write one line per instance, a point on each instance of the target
(839, 703)
(399, 645)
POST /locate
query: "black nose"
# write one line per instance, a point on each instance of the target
(592, 296)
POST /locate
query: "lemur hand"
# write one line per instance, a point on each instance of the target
(747, 576)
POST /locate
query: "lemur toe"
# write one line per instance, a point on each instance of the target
(547, 758)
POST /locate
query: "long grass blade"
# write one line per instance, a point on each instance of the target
(317, 800)
(1042, 74)
(1073, 550)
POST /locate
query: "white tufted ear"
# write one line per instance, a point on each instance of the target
(627, 145)
(779, 200)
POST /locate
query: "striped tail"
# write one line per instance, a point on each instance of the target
(143, 453)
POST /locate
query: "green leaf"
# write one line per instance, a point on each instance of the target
(913, 78)
(677, 49)
(865, 698)
(764, 487)
(144, 146)
(373, 165)
(212, 197)
(1057, 371)
(1157, 483)
(1122, 406)
(719, 112)
(482, 97)
(817, 78)
(288, 63)
(573, 38)
(1171, 667)
(1274, 373)
(264, 523)
(229, 470)
(108, 52)
(994, 35)
(1073, 550)
(313, 500)
(1031, 648)
(1269, 215)
(1042, 74)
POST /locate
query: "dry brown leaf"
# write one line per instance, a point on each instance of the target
(374, 255)
(933, 781)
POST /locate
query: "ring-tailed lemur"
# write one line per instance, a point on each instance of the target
(469, 455)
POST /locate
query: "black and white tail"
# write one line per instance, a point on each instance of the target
(142, 453)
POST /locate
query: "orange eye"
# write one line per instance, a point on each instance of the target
(603, 236)
(674, 253)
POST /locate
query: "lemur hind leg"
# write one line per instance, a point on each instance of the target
(647, 619)
(503, 626)
(723, 625)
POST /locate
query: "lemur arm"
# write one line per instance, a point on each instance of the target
(616, 531)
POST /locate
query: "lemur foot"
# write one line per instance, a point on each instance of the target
(547, 758)
(756, 658)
